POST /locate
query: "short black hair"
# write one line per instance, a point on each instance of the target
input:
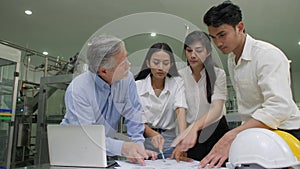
(224, 13)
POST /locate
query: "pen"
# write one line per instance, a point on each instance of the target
(163, 156)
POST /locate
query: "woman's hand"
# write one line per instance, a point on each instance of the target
(158, 141)
(180, 155)
(187, 139)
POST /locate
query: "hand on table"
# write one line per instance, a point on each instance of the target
(187, 139)
(219, 153)
(136, 153)
(180, 155)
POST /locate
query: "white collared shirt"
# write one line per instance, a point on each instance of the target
(261, 79)
(160, 111)
(196, 94)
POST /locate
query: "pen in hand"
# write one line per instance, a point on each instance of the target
(163, 156)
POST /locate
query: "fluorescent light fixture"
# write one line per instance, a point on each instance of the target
(28, 12)
(153, 34)
(45, 53)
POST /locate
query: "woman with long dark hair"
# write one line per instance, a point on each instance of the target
(161, 91)
(205, 89)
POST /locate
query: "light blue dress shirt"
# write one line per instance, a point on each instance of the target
(90, 100)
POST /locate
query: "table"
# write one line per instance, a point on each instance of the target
(47, 166)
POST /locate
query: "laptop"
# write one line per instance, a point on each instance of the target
(77, 145)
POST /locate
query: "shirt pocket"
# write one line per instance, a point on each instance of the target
(248, 90)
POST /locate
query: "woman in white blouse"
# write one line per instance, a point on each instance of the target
(205, 86)
(161, 91)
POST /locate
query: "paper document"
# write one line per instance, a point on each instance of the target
(159, 164)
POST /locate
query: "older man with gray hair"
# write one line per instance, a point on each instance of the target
(104, 94)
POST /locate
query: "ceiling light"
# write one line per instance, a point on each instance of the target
(28, 12)
(153, 34)
(299, 43)
(45, 53)
(187, 27)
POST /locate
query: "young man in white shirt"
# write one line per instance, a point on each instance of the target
(260, 75)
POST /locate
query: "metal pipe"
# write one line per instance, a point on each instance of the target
(46, 67)
(32, 52)
(27, 69)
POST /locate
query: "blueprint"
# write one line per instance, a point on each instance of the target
(159, 164)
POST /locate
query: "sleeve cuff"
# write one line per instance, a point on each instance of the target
(266, 118)
(113, 146)
(218, 96)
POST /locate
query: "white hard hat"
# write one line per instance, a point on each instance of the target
(260, 148)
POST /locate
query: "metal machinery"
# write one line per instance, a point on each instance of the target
(19, 98)
(52, 90)
(9, 76)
